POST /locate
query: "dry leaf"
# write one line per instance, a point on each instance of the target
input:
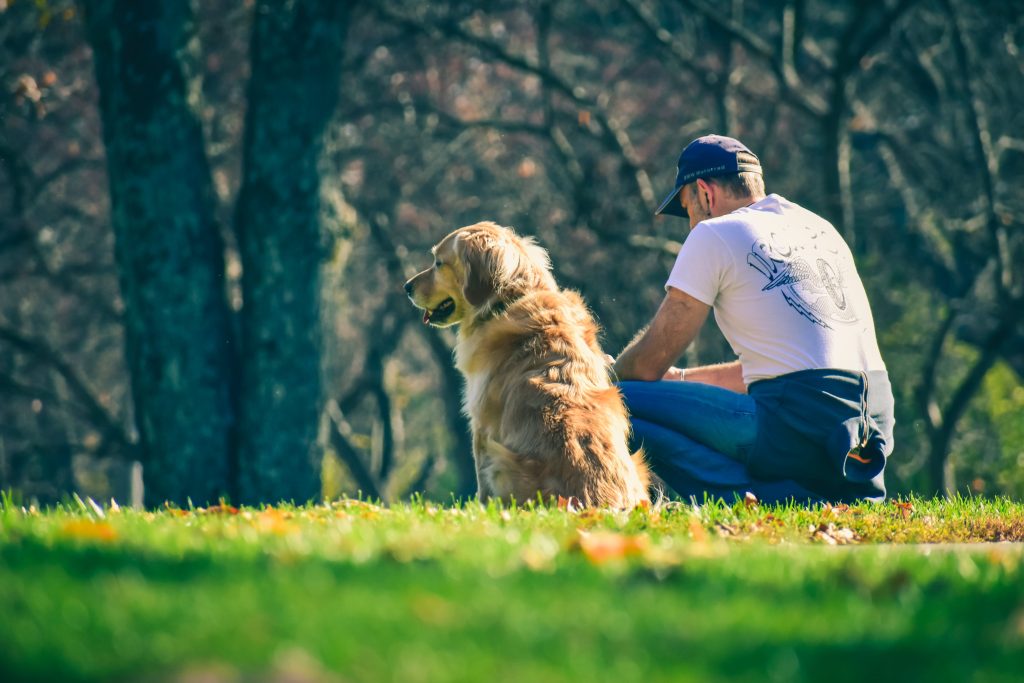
(832, 535)
(273, 521)
(221, 509)
(600, 547)
(89, 531)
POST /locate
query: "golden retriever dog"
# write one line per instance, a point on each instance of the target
(545, 417)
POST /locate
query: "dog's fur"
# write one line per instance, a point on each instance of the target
(544, 415)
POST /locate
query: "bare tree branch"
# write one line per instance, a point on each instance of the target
(338, 434)
(615, 135)
(981, 141)
(794, 89)
(105, 423)
(962, 396)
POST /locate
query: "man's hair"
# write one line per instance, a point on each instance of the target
(745, 184)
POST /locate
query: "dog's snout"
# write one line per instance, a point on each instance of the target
(408, 287)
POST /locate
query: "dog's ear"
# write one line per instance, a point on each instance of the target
(479, 269)
(536, 257)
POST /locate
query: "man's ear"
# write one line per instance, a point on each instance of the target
(707, 191)
(479, 284)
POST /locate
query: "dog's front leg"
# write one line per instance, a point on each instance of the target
(483, 488)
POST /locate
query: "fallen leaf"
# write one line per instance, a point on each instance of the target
(221, 509)
(832, 535)
(600, 547)
(89, 531)
(590, 515)
(697, 531)
(274, 521)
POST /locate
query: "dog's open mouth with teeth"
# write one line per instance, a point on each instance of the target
(440, 313)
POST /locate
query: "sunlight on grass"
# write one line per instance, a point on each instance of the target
(426, 592)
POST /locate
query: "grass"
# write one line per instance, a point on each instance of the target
(359, 592)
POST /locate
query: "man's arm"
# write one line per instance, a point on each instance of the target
(651, 353)
(726, 375)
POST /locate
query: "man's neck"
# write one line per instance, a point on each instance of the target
(729, 204)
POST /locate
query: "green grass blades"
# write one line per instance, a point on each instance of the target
(353, 591)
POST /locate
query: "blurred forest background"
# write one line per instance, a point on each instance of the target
(207, 211)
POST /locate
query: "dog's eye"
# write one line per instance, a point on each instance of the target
(438, 264)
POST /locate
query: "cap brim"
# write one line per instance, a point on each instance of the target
(671, 206)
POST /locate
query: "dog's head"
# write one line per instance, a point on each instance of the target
(476, 268)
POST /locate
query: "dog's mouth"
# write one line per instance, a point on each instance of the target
(442, 312)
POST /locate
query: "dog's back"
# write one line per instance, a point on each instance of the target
(545, 414)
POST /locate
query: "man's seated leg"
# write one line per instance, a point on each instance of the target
(723, 420)
(694, 470)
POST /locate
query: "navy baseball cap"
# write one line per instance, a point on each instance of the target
(707, 157)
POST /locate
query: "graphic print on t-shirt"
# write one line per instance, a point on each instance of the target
(808, 274)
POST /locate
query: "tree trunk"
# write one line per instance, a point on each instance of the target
(296, 67)
(170, 255)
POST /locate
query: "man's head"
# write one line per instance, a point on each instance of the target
(716, 175)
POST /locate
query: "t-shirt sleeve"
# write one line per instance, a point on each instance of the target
(699, 266)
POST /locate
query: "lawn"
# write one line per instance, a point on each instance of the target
(352, 591)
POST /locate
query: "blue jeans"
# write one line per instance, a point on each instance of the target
(697, 438)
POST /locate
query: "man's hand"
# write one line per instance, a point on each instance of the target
(650, 355)
(675, 374)
(726, 375)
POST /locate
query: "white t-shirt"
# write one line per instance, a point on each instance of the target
(784, 288)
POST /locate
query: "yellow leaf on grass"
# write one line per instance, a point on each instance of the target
(88, 531)
(603, 546)
(274, 521)
(697, 531)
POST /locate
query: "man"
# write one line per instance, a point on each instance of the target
(806, 412)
